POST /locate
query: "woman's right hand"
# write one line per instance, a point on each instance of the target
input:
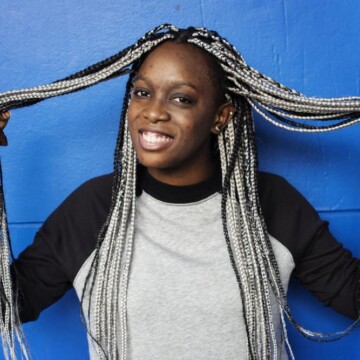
(4, 118)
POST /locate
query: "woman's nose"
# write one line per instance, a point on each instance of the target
(156, 110)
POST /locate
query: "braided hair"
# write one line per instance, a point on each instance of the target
(104, 296)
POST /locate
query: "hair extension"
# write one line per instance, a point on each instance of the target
(10, 329)
(104, 297)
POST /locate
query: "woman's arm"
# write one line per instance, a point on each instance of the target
(321, 263)
(46, 269)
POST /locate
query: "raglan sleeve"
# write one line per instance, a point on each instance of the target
(45, 270)
(322, 264)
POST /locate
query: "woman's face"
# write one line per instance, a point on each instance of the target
(172, 113)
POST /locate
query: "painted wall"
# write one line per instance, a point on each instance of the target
(311, 46)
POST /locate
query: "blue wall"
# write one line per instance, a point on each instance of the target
(56, 145)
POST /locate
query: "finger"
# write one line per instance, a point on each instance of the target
(3, 139)
(5, 115)
(3, 123)
(4, 118)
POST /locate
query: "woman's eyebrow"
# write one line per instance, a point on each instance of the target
(171, 84)
(141, 77)
(183, 83)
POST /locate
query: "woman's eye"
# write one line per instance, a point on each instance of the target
(140, 93)
(183, 100)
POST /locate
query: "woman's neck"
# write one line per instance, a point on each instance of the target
(178, 194)
(184, 177)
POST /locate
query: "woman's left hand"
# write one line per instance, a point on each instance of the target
(4, 118)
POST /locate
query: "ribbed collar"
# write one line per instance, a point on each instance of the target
(180, 194)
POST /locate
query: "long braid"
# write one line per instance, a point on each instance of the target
(11, 331)
(104, 297)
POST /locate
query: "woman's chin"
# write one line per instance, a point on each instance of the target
(155, 162)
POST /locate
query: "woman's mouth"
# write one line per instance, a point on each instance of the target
(150, 140)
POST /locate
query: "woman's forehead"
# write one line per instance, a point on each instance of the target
(177, 57)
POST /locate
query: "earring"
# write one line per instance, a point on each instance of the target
(218, 130)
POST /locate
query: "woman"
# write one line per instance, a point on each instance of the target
(147, 252)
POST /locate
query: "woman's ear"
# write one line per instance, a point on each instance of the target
(224, 115)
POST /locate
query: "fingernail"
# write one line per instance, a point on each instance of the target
(6, 115)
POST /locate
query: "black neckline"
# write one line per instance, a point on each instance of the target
(180, 194)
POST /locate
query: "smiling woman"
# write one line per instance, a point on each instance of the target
(172, 113)
(185, 252)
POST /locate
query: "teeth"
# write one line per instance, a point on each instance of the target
(155, 138)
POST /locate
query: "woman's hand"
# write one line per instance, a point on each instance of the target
(4, 117)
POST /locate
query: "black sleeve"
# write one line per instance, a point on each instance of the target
(322, 264)
(46, 269)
